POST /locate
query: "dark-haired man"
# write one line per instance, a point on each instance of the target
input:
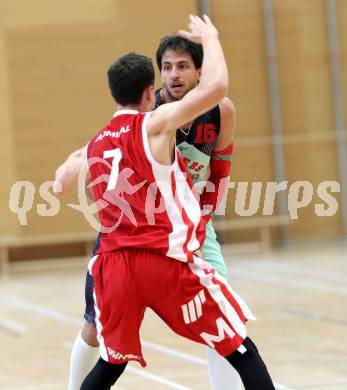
(156, 264)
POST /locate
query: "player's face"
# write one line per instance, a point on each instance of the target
(178, 74)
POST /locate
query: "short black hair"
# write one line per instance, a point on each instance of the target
(180, 44)
(129, 76)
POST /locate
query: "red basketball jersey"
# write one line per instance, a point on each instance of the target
(141, 203)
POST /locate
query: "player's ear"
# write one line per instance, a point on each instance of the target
(149, 97)
(146, 94)
(150, 92)
(198, 74)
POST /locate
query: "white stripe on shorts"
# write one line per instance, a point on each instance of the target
(91, 263)
(192, 312)
(202, 296)
(222, 302)
(185, 314)
(243, 305)
(198, 306)
(102, 346)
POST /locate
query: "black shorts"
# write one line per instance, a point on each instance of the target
(89, 312)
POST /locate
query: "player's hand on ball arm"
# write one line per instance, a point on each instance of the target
(199, 29)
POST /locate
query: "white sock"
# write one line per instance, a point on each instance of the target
(83, 359)
(222, 375)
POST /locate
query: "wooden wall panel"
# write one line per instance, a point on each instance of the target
(7, 219)
(22, 13)
(306, 99)
(143, 26)
(342, 31)
(241, 27)
(54, 96)
(59, 90)
(307, 64)
(241, 30)
(60, 95)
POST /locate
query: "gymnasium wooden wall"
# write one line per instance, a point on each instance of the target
(54, 93)
(54, 96)
(305, 92)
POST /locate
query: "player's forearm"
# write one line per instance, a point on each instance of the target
(65, 181)
(214, 71)
(213, 85)
(66, 176)
(215, 191)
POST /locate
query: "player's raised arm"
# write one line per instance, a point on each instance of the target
(209, 92)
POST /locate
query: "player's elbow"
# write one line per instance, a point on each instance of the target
(61, 187)
(60, 190)
(220, 88)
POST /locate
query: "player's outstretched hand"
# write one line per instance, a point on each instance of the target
(199, 29)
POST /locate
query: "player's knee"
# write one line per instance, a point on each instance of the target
(89, 334)
(250, 354)
(103, 376)
(251, 367)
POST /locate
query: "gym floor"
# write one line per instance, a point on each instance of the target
(299, 296)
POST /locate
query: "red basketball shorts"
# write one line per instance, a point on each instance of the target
(188, 297)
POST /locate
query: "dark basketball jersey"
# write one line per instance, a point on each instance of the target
(197, 143)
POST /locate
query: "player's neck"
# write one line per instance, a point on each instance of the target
(134, 107)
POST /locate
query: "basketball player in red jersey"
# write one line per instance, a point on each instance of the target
(152, 226)
(204, 145)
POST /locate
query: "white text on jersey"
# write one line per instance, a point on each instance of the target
(116, 134)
